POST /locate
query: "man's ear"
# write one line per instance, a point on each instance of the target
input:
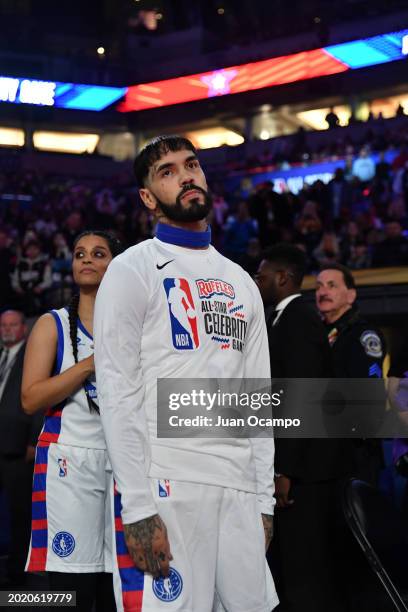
(282, 277)
(148, 199)
(351, 296)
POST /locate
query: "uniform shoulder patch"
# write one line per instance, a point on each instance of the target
(371, 343)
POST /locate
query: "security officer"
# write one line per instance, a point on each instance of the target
(358, 349)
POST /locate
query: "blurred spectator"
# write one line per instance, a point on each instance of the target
(252, 257)
(240, 229)
(400, 111)
(332, 119)
(364, 167)
(61, 260)
(32, 277)
(402, 158)
(393, 250)
(350, 235)
(6, 257)
(106, 208)
(308, 231)
(73, 226)
(327, 251)
(359, 257)
(46, 226)
(339, 195)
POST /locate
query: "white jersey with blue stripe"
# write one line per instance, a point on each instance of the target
(71, 422)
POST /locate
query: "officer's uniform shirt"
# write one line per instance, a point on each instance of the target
(358, 347)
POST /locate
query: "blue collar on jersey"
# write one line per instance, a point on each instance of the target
(183, 237)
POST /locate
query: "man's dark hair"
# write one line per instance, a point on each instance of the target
(155, 150)
(290, 257)
(347, 275)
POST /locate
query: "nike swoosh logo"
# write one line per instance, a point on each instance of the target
(165, 264)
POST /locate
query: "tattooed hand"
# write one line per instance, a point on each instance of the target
(267, 520)
(148, 545)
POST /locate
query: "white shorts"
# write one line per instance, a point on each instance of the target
(71, 516)
(218, 544)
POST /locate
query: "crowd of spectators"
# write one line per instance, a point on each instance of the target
(359, 219)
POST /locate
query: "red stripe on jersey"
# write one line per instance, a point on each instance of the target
(132, 601)
(48, 437)
(39, 524)
(38, 559)
(38, 496)
(53, 412)
(40, 468)
(118, 524)
(125, 561)
(43, 443)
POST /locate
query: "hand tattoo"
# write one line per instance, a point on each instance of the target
(148, 545)
(267, 520)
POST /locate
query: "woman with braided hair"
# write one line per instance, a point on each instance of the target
(71, 522)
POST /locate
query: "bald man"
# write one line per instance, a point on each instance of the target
(18, 437)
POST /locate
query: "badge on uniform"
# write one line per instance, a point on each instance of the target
(371, 343)
(164, 488)
(332, 336)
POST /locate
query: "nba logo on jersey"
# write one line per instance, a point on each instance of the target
(164, 488)
(183, 317)
(62, 464)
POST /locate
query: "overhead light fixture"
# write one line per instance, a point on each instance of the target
(212, 138)
(65, 142)
(220, 11)
(11, 137)
(264, 135)
(100, 50)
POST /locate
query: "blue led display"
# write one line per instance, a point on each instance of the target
(370, 51)
(60, 95)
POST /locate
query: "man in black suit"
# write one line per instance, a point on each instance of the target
(18, 437)
(308, 471)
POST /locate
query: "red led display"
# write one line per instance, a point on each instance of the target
(236, 79)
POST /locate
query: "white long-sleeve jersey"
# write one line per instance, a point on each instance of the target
(164, 311)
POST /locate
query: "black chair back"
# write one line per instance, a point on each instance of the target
(382, 535)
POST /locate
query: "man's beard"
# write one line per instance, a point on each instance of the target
(193, 211)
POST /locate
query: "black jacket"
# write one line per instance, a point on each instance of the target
(299, 348)
(17, 430)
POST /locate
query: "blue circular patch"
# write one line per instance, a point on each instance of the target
(168, 589)
(63, 544)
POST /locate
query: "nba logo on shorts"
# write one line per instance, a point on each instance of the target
(62, 464)
(168, 589)
(164, 488)
(183, 316)
(63, 544)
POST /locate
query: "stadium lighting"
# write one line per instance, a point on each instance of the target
(100, 50)
(65, 142)
(11, 137)
(212, 138)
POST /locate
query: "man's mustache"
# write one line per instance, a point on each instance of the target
(188, 188)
